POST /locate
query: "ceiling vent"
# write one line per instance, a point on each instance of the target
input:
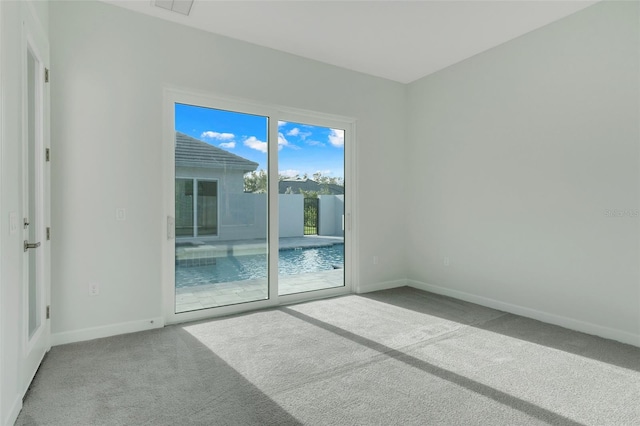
(178, 6)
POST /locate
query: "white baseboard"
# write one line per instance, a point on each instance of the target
(566, 322)
(105, 331)
(381, 286)
(15, 410)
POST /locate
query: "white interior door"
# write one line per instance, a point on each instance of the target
(36, 294)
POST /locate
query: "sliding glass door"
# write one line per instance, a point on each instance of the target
(221, 233)
(311, 208)
(259, 214)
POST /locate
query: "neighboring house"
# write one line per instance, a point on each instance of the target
(209, 188)
(307, 185)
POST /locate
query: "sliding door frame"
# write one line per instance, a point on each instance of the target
(274, 114)
(348, 125)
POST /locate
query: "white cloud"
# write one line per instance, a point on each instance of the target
(253, 143)
(217, 136)
(315, 143)
(282, 141)
(298, 133)
(282, 123)
(336, 137)
(231, 144)
(289, 173)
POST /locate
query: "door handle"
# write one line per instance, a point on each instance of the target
(28, 245)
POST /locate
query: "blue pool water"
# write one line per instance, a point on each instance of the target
(240, 268)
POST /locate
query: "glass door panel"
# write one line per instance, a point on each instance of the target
(221, 202)
(311, 208)
(32, 219)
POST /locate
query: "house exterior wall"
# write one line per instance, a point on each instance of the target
(253, 209)
(239, 216)
(229, 181)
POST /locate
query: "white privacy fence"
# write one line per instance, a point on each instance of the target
(331, 215)
(244, 216)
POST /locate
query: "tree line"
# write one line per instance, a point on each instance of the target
(256, 182)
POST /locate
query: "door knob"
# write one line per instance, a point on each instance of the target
(28, 245)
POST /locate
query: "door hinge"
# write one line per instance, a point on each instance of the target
(48, 233)
(48, 312)
(46, 75)
(47, 155)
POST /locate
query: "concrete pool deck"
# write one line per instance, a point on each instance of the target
(200, 253)
(227, 293)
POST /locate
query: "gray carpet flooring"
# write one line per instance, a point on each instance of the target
(395, 357)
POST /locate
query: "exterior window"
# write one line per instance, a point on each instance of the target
(196, 208)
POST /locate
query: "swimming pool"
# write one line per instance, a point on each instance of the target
(239, 268)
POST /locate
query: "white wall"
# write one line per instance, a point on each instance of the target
(111, 66)
(331, 212)
(291, 215)
(515, 156)
(11, 261)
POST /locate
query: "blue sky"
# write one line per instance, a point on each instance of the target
(301, 148)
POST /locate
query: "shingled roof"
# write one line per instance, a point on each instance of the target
(191, 152)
